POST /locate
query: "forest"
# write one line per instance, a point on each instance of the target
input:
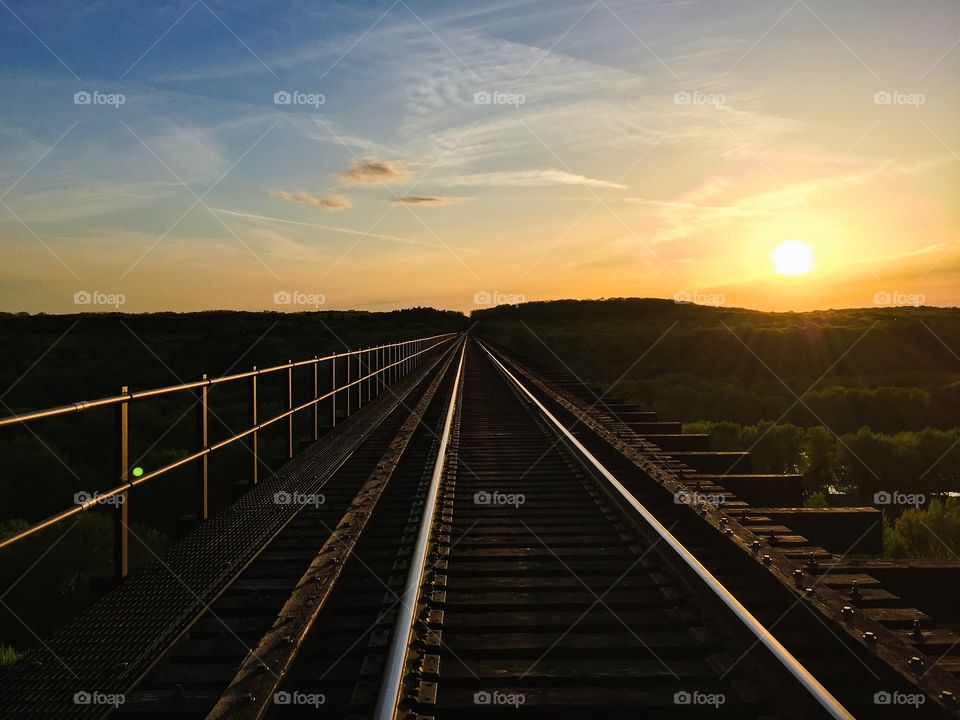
(859, 402)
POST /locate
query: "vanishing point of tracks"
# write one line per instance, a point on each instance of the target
(482, 553)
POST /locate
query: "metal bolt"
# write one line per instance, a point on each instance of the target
(847, 612)
(767, 559)
(947, 696)
(798, 576)
(917, 632)
(916, 663)
(869, 637)
(755, 546)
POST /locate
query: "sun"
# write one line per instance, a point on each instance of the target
(793, 257)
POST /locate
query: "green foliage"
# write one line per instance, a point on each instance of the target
(931, 533)
(927, 461)
(8, 656)
(885, 368)
(859, 464)
(816, 500)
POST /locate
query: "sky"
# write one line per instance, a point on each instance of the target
(297, 155)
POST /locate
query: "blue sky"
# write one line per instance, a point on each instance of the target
(627, 148)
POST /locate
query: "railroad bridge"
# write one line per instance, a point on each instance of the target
(461, 534)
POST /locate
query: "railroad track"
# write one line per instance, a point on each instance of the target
(495, 548)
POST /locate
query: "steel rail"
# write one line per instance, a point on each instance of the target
(23, 418)
(764, 636)
(390, 685)
(98, 497)
(252, 692)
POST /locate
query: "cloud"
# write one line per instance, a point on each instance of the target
(692, 214)
(371, 171)
(330, 202)
(434, 201)
(533, 178)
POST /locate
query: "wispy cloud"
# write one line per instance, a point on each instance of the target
(329, 202)
(371, 171)
(434, 201)
(532, 178)
(692, 214)
(362, 234)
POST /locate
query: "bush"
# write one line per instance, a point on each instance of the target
(932, 533)
(8, 656)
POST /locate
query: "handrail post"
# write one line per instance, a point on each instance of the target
(333, 391)
(315, 410)
(289, 393)
(203, 465)
(360, 385)
(252, 416)
(356, 389)
(121, 510)
(369, 377)
(346, 387)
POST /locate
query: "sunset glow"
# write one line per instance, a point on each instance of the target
(446, 151)
(793, 257)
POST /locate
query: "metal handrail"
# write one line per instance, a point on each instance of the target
(794, 667)
(167, 389)
(392, 361)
